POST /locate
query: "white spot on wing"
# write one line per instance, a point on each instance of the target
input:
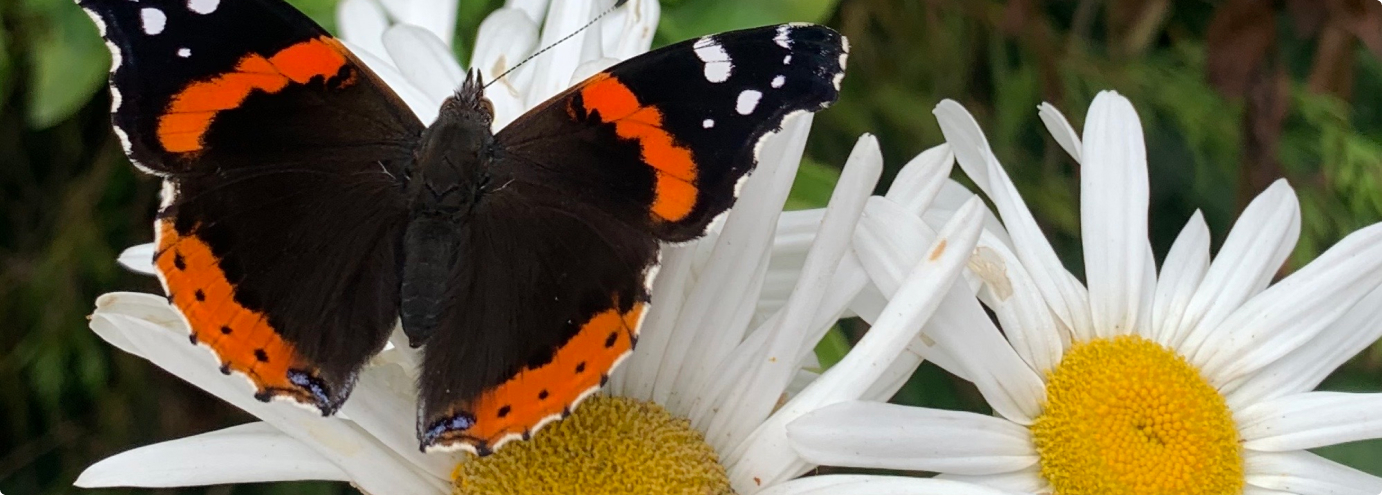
(786, 60)
(782, 39)
(153, 20)
(708, 123)
(779, 81)
(203, 6)
(748, 100)
(184, 52)
(717, 62)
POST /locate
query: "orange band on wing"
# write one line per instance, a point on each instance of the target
(673, 163)
(240, 337)
(523, 404)
(189, 115)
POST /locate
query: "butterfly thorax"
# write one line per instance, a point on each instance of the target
(448, 179)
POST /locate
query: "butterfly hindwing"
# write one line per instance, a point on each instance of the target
(557, 261)
(547, 297)
(279, 232)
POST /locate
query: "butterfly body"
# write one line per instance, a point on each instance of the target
(307, 211)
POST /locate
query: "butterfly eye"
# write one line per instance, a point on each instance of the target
(487, 107)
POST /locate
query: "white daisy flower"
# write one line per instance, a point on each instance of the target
(725, 358)
(702, 403)
(1196, 380)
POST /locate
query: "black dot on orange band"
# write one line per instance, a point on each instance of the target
(613, 337)
(262, 356)
(580, 368)
(192, 338)
(178, 262)
(603, 380)
(225, 330)
(225, 368)
(542, 395)
(201, 296)
(504, 411)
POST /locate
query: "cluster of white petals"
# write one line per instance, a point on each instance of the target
(1264, 347)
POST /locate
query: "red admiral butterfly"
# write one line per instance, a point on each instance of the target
(306, 210)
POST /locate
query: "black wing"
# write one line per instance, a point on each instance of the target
(279, 231)
(556, 266)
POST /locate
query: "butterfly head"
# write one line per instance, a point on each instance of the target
(450, 168)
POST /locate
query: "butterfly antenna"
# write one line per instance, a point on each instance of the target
(617, 4)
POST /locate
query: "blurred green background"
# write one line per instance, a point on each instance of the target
(1232, 96)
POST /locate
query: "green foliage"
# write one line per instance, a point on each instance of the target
(69, 60)
(814, 184)
(685, 19)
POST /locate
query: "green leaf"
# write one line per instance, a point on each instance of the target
(322, 11)
(813, 186)
(70, 65)
(692, 18)
(832, 348)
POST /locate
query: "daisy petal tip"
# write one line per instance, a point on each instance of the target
(138, 259)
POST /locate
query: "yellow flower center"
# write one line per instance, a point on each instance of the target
(1126, 416)
(610, 445)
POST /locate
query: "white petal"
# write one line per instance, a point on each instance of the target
(773, 369)
(1305, 368)
(424, 60)
(422, 105)
(733, 273)
(951, 196)
(138, 258)
(248, 453)
(920, 180)
(552, 69)
(1060, 129)
(1287, 315)
(655, 334)
(160, 336)
(535, 10)
(1113, 213)
(726, 384)
(362, 23)
(1012, 295)
(591, 68)
(629, 30)
(1027, 480)
(860, 484)
(765, 455)
(889, 436)
(436, 16)
(1068, 300)
(961, 331)
(796, 230)
(384, 403)
(1310, 420)
(1245, 264)
(504, 38)
(1181, 274)
(1304, 473)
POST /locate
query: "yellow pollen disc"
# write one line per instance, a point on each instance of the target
(1126, 416)
(610, 445)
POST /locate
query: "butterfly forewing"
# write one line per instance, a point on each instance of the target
(281, 213)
